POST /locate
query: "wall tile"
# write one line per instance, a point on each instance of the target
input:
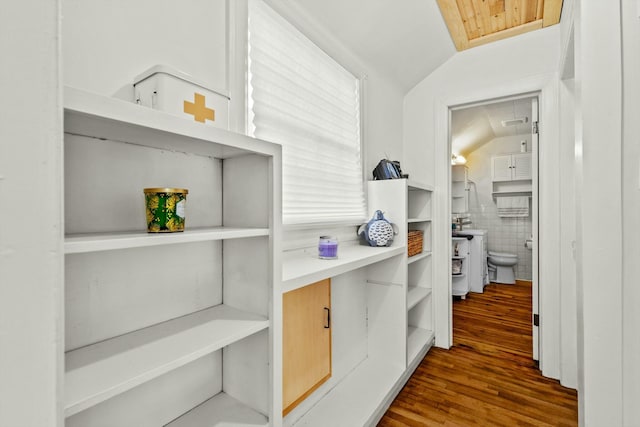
(504, 234)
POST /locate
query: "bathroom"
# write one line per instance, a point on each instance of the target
(488, 141)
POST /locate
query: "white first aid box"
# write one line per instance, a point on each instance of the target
(164, 88)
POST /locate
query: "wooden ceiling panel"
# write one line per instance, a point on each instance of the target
(483, 12)
(531, 10)
(475, 22)
(496, 7)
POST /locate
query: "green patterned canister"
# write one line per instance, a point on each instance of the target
(165, 209)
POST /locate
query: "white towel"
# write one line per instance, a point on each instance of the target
(513, 206)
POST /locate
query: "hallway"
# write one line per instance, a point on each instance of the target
(488, 377)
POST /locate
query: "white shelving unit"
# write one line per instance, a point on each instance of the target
(105, 369)
(415, 295)
(511, 175)
(169, 328)
(368, 350)
(409, 205)
(301, 268)
(221, 410)
(357, 399)
(419, 257)
(95, 242)
(381, 312)
(460, 282)
(420, 327)
(459, 190)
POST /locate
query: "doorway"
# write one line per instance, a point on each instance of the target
(493, 198)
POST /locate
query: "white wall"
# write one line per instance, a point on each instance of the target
(630, 209)
(520, 64)
(31, 216)
(505, 234)
(383, 126)
(471, 72)
(105, 44)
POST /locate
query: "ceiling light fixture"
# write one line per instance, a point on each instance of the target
(514, 122)
(457, 159)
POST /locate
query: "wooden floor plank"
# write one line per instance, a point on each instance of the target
(488, 377)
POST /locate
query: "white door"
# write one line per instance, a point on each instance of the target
(501, 168)
(534, 229)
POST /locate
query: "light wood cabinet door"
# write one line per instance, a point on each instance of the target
(306, 342)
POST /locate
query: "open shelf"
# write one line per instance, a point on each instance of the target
(414, 220)
(456, 276)
(458, 257)
(96, 242)
(354, 400)
(114, 119)
(158, 367)
(299, 268)
(220, 410)
(418, 257)
(418, 186)
(512, 193)
(417, 340)
(100, 371)
(415, 294)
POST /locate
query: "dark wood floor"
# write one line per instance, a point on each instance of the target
(488, 377)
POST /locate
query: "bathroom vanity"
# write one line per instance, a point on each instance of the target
(477, 263)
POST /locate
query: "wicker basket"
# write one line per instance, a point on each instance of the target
(414, 242)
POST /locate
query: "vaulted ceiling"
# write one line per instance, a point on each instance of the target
(475, 126)
(406, 40)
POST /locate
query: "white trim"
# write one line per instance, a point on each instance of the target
(31, 253)
(535, 228)
(548, 246)
(364, 123)
(599, 100)
(546, 85)
(237, 64)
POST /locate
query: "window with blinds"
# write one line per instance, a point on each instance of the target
(301, 98)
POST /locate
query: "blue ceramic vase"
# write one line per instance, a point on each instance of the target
(378, 231)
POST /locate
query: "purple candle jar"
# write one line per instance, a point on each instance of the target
(328, 247)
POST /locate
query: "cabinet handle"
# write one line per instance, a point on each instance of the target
(328, 324)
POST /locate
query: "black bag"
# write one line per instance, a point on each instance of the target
(388, 169)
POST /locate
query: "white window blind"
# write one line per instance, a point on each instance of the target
(301, 98)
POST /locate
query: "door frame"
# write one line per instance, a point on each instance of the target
(548, 167)
(535, 100)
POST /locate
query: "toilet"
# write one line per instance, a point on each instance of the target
(502, 264)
